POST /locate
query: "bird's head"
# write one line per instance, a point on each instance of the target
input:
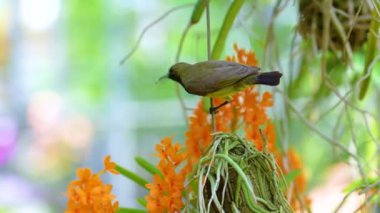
(175, 72)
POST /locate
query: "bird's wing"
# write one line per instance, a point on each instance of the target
(216, 75)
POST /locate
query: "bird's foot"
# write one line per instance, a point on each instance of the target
(212, 110)
(215, 109)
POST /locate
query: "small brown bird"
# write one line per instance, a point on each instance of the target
(219, 79)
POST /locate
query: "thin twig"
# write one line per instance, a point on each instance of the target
(365, 203)
(364, 17)
(270, 39)
(326, 32)
(181, 42)
(125, 58)
(270, 42)
(356, 17)
(343, 37)
(325, 79)
(343, 98)
(209, 58)
(325, 35)
(375, 6)
(182, 104)
(208, 30)
(177, 87)
(340, 205)
(364, 189)
(362, 173)
(312, 127)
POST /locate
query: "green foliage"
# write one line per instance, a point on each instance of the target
(199, 8)
(152, 169)
(362, 184)
(130, 210)
(292, 175)
(304, 83)
(132, 176)
(372, 47)
(142, 201)
(139, 180)
(226, 27)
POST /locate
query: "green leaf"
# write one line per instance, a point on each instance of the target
(292, 175)
(152, 169)
(142, 201)
(130, 210)
(131, 175)
(226, 27)
(199, 8)
(371, 50)
(355, 185)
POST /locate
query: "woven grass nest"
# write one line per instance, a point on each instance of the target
(352, 17)
(233, 176)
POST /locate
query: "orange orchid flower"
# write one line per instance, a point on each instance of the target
(89, 194)
(110, 166)
(166, 191)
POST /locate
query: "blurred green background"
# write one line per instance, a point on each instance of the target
(66, 102)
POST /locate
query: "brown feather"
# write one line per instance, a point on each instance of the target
(210, 76)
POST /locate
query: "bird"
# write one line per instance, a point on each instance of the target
(219, 79)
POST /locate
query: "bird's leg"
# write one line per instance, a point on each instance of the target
(215, 109)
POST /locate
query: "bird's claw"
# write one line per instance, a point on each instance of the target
(215, 109)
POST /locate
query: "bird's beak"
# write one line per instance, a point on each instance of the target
(162, 77)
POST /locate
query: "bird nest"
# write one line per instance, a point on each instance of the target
(236, 177)
(349, 22)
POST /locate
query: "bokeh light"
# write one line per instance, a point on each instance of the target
(39, 15)
(8, 136)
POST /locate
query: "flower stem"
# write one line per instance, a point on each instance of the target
(130, 210)
(132, 176)
(209, 58)
(148, 166)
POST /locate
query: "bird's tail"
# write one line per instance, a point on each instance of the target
(269, 78)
